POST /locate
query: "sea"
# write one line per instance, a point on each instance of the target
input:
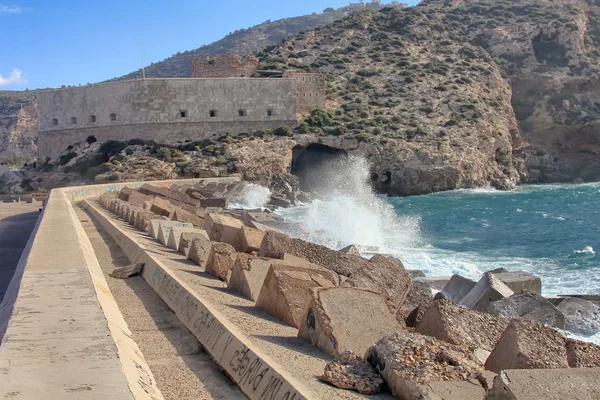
(551, 231)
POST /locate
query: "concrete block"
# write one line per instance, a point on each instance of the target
(138, 199)
(416, 273)
(221, 260)
(134, 211)
(582, 354)
(521, 281)
(175, 236)
(458, 325)
(161, 206)
(142, 220)
(221, 228)
(488, 289)
(417, 367)
(261, 217)
(214, 202)
(420, 295)
(185, 242)
(125, 193)
(286, 288)
(250, 239)
(582, 317)
(334, 327)
(200, 251)
(528, 345)
(351, 371)
(248, 275)
(530, 306)
(185, 216)
(546, 384)
(164, 230)
(352, 249)
(457, 288)
(385, 275)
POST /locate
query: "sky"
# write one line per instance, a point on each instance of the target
(49, 43)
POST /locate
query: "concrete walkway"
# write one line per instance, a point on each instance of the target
(16, 223)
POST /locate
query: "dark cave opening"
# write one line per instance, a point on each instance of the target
(307, 160)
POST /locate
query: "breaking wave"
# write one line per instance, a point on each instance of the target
(251, 197)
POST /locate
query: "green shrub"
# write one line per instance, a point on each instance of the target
(111, 148)
(283, 130)
(65, 158)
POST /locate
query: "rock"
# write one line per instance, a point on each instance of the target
(221, 228)
(184, 216)
(546, 384)
(488, 289)
(175, 235)
(164, 230)
(214, 203)
(279, 201)
(276, 244)
(520, 281)
(528, 345)
(461, 326)
(582, 354)
(417, 367)
(259, 216)
(250, 239)
(350, 371)
(161, 206)
(528, 305)
(437, 282)
(385, 275)
(221, 260)
(138, 199)
(286, 288)
(582, 317)
(420, 294)
(200, 251)
(334, 327)
(125, 193)
(415, 273)
(248, 276)
(457, 288)
(352, 249)
(126, 272)
(186, 239)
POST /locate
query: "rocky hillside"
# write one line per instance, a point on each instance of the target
(18, 127)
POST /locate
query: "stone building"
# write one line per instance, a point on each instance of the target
(219, 100)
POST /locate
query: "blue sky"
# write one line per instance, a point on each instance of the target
(49, 43)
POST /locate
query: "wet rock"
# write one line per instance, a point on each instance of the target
(528, 345)
(248, 276)
(488, 289)
(332, 326)
(581, 316)
(457, 288)
(221, 260)
(286, 289)
(350, 371)
(280, 201)
(520, 281)
(582, 354)
(530, 306)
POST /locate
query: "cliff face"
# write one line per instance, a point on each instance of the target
(18, 127)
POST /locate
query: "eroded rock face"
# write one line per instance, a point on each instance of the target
(351, 371)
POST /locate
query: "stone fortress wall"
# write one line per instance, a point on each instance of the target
(224, 66)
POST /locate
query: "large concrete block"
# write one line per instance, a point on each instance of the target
(248, 276)
(164, 230)
(385, 275)
(530, 306)
(261, 217)
(250, 239)
(105, 198)
(528, 345)
(330, 324)
(185, 216)
(276, 244)
(352, 249)
(142, 220)
(546, 384)
(417, 367)
(461, 326)
(125, 193)
(221, 228)
(138, 199)
(582, 354)
(488, 289)
(185, 242)
(214, 203)
(286, 288)
(162, 207)
(581, 316)
(133, 212)
(123, 209)
(200, 251)
(520, 281)
(221, 260)
(457, 288)
(420, 296)
(175, 235)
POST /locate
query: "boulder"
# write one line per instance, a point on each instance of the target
(125, 193)
(416, 273)
(334, 327)
(286, 288)
(457, 288)
(175, 235)
(221, 260)
(385, 275)
(528, 345)
(582, 317)
(352, 249)
(184, 216)
(351, 371)
(248, 275)
(461, 326)
(250, 239)
(417, 367)
(200, 251)
(276, 244)
(221, 228)
(164, 230)
(126, 272)
(420, 294)
(488, 289)
(582, 354)
(520, 281)
(528, 305)
(185, 242)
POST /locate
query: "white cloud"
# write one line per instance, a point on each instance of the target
(16, 76)
(4, 9)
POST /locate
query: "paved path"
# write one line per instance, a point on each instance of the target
(16, 223)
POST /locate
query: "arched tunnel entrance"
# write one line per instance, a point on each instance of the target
(308, 160)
